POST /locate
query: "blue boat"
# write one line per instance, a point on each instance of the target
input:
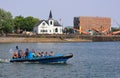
(57, 58)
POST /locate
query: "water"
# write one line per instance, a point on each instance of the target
(91, 60)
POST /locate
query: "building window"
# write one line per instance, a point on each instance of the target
(43, 24)
(51, 23)
(56, 30)
(60, 30)
(44, 31)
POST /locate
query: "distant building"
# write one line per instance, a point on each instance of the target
(49, 26)
(84, 24)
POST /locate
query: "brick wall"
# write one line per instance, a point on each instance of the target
(94, 23)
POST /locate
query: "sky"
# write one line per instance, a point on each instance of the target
(65, 10)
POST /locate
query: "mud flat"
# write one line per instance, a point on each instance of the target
(25, 40)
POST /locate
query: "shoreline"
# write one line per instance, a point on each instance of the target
(39, 40)
(58, 39)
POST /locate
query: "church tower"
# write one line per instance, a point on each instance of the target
(50, 19)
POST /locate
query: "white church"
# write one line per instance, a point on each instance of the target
(49, 26)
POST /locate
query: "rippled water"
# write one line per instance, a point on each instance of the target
(91, 60)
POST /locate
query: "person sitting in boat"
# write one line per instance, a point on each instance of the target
(15, 55)
(34, 53)
(51, 53)
(46, 53)
(26, 52)
(22, 54)
(42, 54)
(39, 54)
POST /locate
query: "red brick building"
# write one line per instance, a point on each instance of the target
(98, 24)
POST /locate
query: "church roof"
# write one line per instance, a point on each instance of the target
(41, 22)
(56, 23)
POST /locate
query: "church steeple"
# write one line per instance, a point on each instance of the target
(50, 15)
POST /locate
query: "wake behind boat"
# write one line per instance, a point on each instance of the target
(4, 60)
(57, 58)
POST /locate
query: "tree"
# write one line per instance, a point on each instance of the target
(24, 24)
(29, 23)
(68, 30)
(6, 22)
(19, 23)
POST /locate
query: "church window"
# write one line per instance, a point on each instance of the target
(50, 22)
(56, 30)
(43, 24)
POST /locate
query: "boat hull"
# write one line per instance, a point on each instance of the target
(45, 59)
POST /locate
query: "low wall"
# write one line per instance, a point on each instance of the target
(106, 38)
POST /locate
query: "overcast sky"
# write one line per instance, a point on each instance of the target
(65, 10)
